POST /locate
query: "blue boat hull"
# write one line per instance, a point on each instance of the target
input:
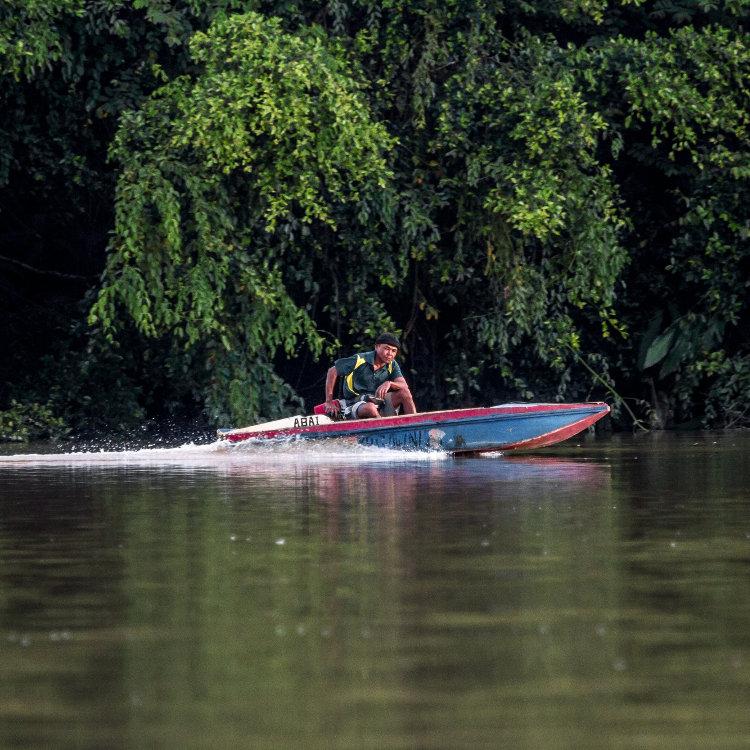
(473, 435)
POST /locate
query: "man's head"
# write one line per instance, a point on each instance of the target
(386, 347)
(388, 338)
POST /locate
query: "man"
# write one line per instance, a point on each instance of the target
(367, 375)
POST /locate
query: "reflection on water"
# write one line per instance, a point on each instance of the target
(594, 596)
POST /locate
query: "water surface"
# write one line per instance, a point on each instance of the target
(591, 596)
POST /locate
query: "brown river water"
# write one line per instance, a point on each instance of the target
(596, 595)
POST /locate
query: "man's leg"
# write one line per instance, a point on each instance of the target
(364, 410)
(387, 409)
(404, 399)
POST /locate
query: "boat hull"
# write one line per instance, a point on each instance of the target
(497, 428)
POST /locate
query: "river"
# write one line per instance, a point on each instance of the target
(596, 595)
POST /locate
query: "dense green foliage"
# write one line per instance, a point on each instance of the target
(274, 126)
(548, 200)
(23, 422)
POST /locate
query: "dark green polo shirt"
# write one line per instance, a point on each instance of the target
(364, 379)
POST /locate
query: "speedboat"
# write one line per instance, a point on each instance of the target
(505, 427)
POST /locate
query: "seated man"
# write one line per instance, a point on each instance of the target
(370, 374)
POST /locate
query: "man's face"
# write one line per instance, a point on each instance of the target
(386, 353)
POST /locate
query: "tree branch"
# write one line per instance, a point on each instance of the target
(44, 272)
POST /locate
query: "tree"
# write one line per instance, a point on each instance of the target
(273, 127)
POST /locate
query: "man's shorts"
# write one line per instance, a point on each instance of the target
(351, 412)
(352, 409)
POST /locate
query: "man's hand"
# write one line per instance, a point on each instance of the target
(383, 389)
(333, 407)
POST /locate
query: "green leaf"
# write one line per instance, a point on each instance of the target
(676, 355)
(648, 338)
(658, 349)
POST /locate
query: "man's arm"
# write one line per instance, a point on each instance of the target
(332, 405)
(401, 398)
(397, 384)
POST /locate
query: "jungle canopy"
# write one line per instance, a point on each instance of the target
(201, 203)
